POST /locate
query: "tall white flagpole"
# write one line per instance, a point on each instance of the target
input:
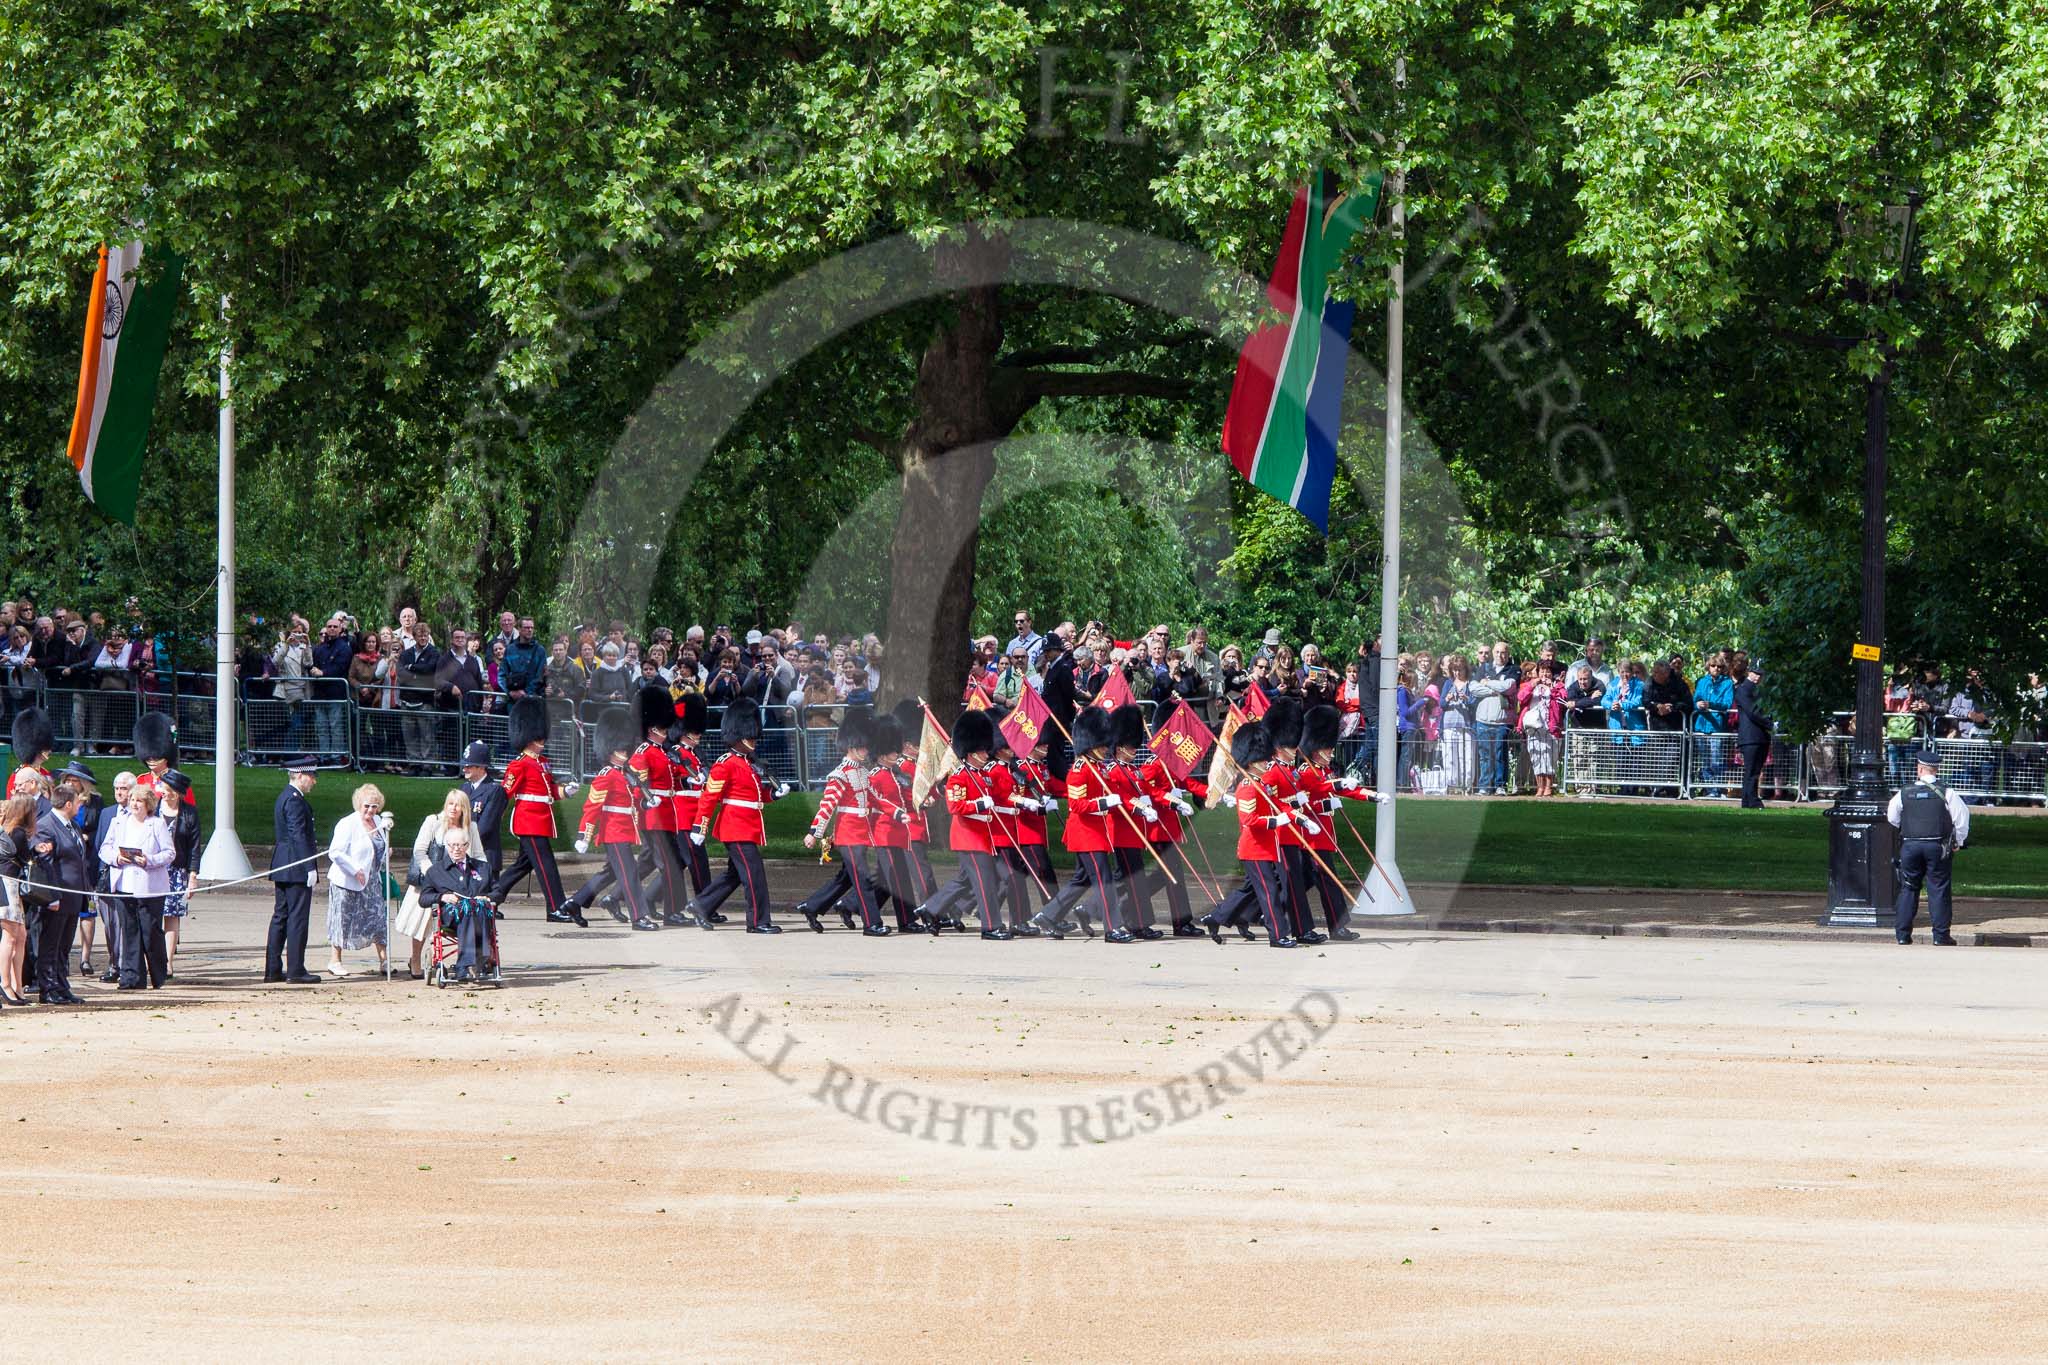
(1388, 892)
(225, 858)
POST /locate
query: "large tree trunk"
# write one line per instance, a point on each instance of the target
(948, 457)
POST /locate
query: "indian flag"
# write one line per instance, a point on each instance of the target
(127, 325)
(1281, 428)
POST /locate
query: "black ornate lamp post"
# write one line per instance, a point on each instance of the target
(1859, 839)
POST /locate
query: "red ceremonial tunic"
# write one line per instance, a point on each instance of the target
(533, 791)
(1029, 777)
(843, 806)
(1323, 796)
(686, 775)
(1255, 841)
(1123, 832)
(611, 807)
(1279, 784)
(657, 784)
(1087, 818)
(973, 829)
(733, 800)
(1157, 785)
(888, 799)
(920, 831)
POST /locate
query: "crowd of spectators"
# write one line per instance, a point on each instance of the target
(1489, 719)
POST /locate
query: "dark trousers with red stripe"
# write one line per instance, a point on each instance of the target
(1336, 904)
(1297, 866)
(1101, 874)
(898, 882)
(1269, 894)
(1022, 862)
(692, 856)
(744, 874)
(1150, 879)
(925, 882)
(853, 878)
(985, 876)
(622, 870)
(536, 855)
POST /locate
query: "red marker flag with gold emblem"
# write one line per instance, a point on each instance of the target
(1115, 692)
(1180, 743)
(1256, 702)
(1029, 723)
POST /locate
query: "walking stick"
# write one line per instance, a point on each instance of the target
(1008, 832)
(1368, 850)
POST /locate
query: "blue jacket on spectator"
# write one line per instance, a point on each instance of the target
(525, 667)
(1719, 695)
(1625, 703)
(332, 658)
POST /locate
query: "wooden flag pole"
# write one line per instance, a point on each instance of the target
(1008, 833)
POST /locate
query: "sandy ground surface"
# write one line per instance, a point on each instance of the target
(690, 1145)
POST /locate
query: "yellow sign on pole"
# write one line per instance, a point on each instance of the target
(1865, 653)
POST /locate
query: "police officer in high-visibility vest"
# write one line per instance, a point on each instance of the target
(1932, 825)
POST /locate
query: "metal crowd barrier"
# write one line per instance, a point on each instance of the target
(1627, 761)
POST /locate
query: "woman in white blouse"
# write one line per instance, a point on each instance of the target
(355, 886)
(137, 855)
(429, 846)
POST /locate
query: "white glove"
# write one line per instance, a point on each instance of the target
(1309, 823)
(386, 820)
(654, 803)
(571, 790)
(1184, 808)
(902, 815)
(1230, 801)
(1151, 816)
(781, 790)
(1112, 801)
(1384, 798)
(697, 837)
(583, 843)
(1027, 803)
(984, 803)
(811, 839)
(1282, 820)
(1298, 799)
(1050, 805)
(1348, 783)
(313, 879)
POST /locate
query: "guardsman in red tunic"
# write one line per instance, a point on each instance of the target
(1025, 854)
(889, 822)
(910, 720)
(687, 776)
(973, 793)
(1260, 824)
(1128, 826)
(532, 791)
(735, 793)
(1283, 723)
(654, 711)
(612, 814)
(1169, 803)
(844, 819)
(1092, 803)
(1324, 790)
(34, 738)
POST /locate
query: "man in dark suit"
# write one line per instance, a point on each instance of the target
(1752, 732)
(284, 958)
(61, 858)
(1056, 661)
(486, 804)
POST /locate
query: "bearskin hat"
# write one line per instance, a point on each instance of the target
(654, 709)
(974, 732)
(1283, 722)
(1094, 729)
(742, 722)
(886, 737)
(615, 733)
(154, 738)
(33, 737)
(854, 732)
(693, 717)
(1319, 728)
(1251, 744)
(1129, 722)
(526, 723)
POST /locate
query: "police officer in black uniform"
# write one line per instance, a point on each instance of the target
(1932, 825)
(486, 805)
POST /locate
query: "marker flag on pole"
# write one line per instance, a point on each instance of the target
(127, 326)
(1220, 767)
(935, 760)
(1280, 430)
(1256, 702)
(1115, 692)
(1180, 743)
(1028, 724)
